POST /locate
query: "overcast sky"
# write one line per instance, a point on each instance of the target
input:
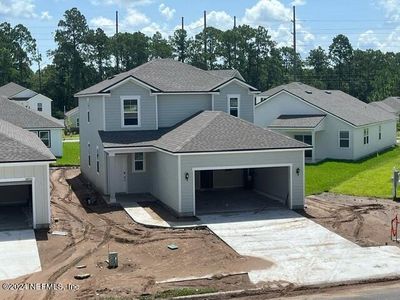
(368, 23)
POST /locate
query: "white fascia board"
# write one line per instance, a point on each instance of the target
(134, 80)
(26, 164)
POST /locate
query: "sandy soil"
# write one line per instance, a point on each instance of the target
(365, 221)
(143, 255)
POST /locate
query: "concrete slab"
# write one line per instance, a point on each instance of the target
(303, 252)
(18, 254)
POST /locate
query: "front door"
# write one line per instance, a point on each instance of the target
(206, 179)
(121, 174)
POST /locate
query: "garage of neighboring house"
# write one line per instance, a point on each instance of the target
(24, 179)
(242, 189)
(16, 204)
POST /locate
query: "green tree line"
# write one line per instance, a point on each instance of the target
(85, 56)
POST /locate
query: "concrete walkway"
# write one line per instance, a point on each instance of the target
(304, 253)
(18, 254)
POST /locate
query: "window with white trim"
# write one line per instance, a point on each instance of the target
(88, 155)
(138, 162)
(344, 139)
(130, 111)
(366, 136)
(380, 132)
(39, 107)
(97, 160)
(305, 138)
(233, 102)
(44, 136)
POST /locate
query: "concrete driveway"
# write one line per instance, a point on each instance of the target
(18, 254)
(302, 251)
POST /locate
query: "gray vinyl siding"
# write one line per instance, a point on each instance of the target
(163, 168)
(175, 108)
(41, 188)
(113, 108)
(89, 133)
(140, 182)
(246, 108)
(189, 162)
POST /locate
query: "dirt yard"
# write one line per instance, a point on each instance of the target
(144, 258)
(365, 221)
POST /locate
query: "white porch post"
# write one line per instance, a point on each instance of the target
(111, 168)
(313, 144)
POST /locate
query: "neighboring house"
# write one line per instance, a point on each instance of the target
(47, 128)
(71, 119)
(393, 103)
(26, 97)
(385, 107)
(24, 178)
(338, 125)
(172, 130)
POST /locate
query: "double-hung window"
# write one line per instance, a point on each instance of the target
(380, 132)
(44, 136)
(366, 136)
(130, 111)
(305, 138)
(88, 155)
(344, 139)
(138, 162)
(88, 111)
(97, 160)
(233, 105)
(40, 106)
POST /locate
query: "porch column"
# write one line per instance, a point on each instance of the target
(313, 144)
(111, 168)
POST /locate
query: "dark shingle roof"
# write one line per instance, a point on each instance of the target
(384, 106)
(11, 89)
(167, 75)
(25, 118)
(297, 121)
(226, 74)
(208, 131)
(393, 102)
(20, 145)
(338, 103)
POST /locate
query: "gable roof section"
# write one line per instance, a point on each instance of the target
(20, 145)
(208, 131)
(72, 111)
(384, 106)
(393, 102)
(336, 103)
(226, 74)
(297, 121)
(23, 117)
(10, 89)
(167, 76)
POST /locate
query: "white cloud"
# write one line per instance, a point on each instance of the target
(368, 40)
(134, 18)
(391, 8)
(106, 24)
(299, 2)
(166, 11)
(122, 3)
(153, 28)
(18, 8)
(266, 10)
(218, 19)
(45, 15)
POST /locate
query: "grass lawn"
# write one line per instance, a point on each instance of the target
(71, 137)
(71, 155)
(369, 177)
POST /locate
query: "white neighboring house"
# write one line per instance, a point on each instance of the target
(26, 97)
(47, 128)
(71, 118)
(337, 125)
(24, 179)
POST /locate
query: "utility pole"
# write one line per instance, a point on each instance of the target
(234, 43)
(116, 33)
(183, 23)
(205, 38)
(294, 45)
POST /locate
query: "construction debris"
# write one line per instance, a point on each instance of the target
(172, 247)
(82, 276)
(81, 266)
(61, 233)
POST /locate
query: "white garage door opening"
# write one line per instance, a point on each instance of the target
(16, 205)
(242, 189)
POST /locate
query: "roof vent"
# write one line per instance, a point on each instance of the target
(328, 92)
(308, 92)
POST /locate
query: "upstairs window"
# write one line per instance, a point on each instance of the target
(344, 139)
(97, 160)
(138, 162)
(130, 111)
(380, 132)
(366, 136)
(88, 154)
(39, 107)
(233, 105)
(88, 111)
